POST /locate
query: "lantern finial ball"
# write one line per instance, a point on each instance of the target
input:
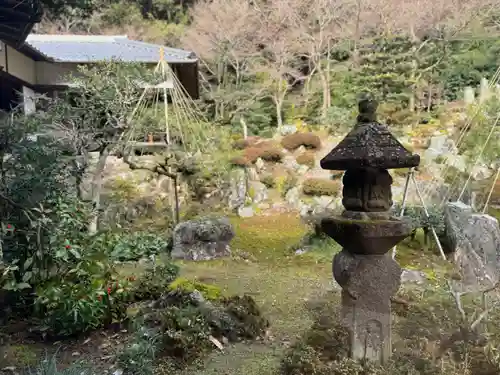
(367, 107)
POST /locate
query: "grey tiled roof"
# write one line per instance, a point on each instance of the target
(91, 48)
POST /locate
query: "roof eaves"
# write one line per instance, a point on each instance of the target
(90, 61)
(174, 52)
(35, 53)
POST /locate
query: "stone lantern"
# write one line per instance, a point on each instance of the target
(369, 277)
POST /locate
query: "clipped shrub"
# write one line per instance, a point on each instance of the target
(268, 153)
(241, 144)
(319, 186)
(294, 141)
(240, 161)
(209, 292)
(306, 158)
(154, 281)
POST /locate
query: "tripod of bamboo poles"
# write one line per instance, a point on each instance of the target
(411, 178)
(166, 74)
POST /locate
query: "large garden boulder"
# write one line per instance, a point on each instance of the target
(475, 239)
(202, 239)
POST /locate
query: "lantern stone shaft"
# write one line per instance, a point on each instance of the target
(367, 231)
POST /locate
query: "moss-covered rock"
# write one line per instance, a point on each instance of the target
(209, 292)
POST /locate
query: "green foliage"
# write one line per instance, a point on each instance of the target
(155, 281)
(88, 302)
(321, 186)
(134, 246)
(420, 220)
(386, 69)
(469, 60)
(137, 358)
(48, 366)
(284, 183)
(482, 135)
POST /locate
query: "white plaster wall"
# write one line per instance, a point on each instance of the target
(19, 65)
(48, 73)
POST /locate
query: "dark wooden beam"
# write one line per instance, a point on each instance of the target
(17, 18)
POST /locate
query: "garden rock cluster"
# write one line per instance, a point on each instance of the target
(202, 239)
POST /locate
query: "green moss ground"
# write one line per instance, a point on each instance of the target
(284, 284)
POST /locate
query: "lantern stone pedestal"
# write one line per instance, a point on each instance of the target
(366, 231)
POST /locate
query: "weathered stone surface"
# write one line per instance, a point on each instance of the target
(366, 231)
(252, 174)
(367, 189)
(259, 164)
(368, 282)
(369, 144)
(290, 163)
(238, 189)
(288, 129)
(246, 211)
(202, 239)
(258, 191)
(475, 239)
(292, 197)
(413, 276)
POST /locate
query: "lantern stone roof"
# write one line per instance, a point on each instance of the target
(369, 145)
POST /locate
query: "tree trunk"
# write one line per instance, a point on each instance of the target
(279, 118)
(96, 190)
(411, 103)
(326, 92)
(244, 126)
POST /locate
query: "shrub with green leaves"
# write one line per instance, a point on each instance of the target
(48, 366)
(137, 357)
(155, 281)
(136, 245)
(69, 307)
